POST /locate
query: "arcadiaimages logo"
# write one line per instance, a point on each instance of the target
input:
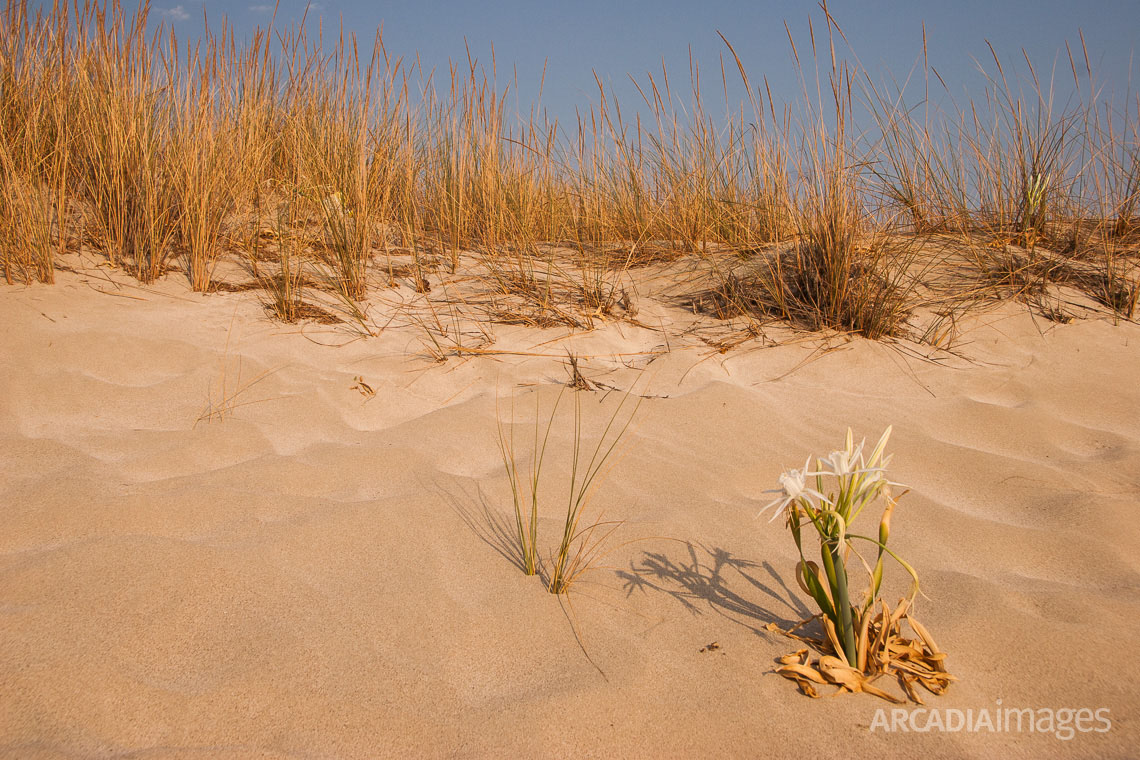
(1063, 723)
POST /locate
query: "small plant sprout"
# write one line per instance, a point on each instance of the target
(1035, 194)
(580, 545)
(581, 541)
(524, 492)
(862, 639)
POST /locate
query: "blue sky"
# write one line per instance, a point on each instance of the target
(621, 37)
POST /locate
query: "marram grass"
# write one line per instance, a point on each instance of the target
(581, 541)
(153, 153)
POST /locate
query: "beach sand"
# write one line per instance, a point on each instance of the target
(318, 575)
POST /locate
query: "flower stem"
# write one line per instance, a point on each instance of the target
(837, 579)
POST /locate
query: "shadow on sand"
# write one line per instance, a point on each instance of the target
(496, 529)
(702, 581)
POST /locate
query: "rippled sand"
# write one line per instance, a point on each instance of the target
(316, 575)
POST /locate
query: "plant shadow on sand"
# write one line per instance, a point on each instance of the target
(696, 582)
(495, 529)
(701, 580)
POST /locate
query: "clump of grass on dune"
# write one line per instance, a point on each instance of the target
(35, 144)
(1113, 182)
(204, 167)
(840, 272)
(30, 234)
(919, 170)
(581, 542)
(1036, 189)
(494, 188)
(328, 117)
(128, 142)
(286, 287)
(1024, 158)
(122, 147)
(719, 184)
(524, 491)
(837, 274)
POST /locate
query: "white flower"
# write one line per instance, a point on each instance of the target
(874, 480)
(793, 487)
(849, 462)
(841, 463)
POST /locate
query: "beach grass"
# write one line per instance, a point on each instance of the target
(581, 540)
(152, 152)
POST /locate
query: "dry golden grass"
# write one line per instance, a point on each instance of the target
(156, 155)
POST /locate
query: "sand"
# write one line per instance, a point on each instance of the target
(315, 575)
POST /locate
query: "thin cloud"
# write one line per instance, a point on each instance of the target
(261, 8)
(177, 13)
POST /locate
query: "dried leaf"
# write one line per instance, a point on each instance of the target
(799, 657)
(883, 649)
(796, 672)
(832, 636)
(864, 631)
(840, 673)
(814, 568)
(924, 634)
(807, 688)
(910, 690)
(877, 692)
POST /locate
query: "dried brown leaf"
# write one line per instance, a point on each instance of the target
(796, 672)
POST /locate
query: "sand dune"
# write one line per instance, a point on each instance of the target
(317, 575)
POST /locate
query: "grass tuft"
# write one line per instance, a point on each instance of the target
(581, 542)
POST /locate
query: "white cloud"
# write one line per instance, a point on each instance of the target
(261, 8)
(177, 13)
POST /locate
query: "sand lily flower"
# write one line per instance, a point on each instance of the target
(793, 487)
(842, 463)
(859, 480)
(849, 460)
(862, 638)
